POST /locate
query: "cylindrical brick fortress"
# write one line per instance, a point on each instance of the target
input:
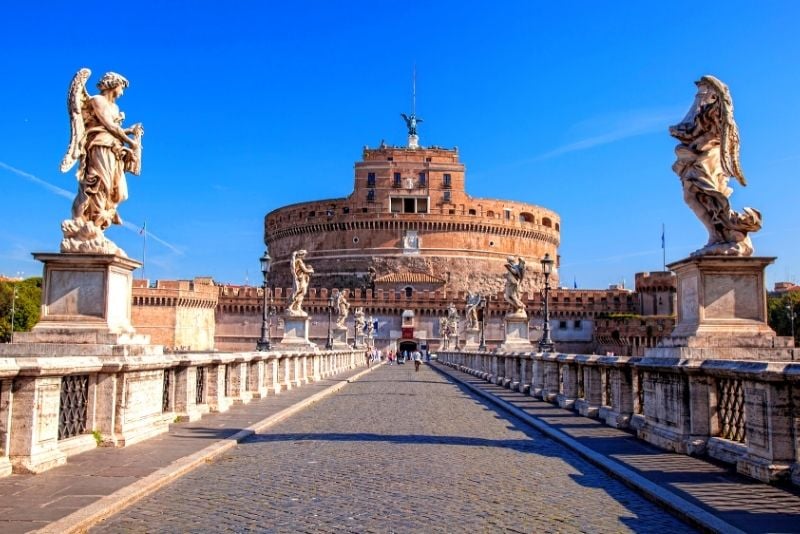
(409, 213)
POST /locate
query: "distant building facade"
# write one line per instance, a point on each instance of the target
(178, 314)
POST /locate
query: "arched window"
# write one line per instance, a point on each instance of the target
(547, 222)
(472, 212)
(490, 213)
(526, 217)
(409, 291)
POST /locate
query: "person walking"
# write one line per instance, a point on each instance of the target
(367, 356)
(417, 360)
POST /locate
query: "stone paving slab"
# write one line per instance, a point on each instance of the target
(714, 487)
(97, 477)
(397, 451)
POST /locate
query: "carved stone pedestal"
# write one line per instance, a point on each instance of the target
(722, 312)
(295, 334)
(516, 335)
(473, 339)
(86, 298)
(340, 339)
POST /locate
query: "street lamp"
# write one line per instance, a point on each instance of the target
(482, 339)
(546, 344)
(792, 315)
(263, 343)
(329, 342)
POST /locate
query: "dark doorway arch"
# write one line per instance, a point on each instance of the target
(410, 346)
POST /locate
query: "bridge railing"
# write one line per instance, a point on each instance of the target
(52, 407)
(741, 412)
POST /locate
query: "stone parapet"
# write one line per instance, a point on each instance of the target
(739, 412)
(58, 400)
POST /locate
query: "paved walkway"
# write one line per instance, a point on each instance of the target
(396, 451)
(29, 502)
(714, 487)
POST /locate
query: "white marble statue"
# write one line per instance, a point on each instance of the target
(301, 276)
(707, 156)
(342, 309)
(473, 303)
(104, 151)
(515, 272)
(370, 326)
(360, 320)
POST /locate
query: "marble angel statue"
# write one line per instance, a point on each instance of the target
(301, 276)
(342, 309)
(515, 273)
(707, 157)
(473, 303)
(104, 151)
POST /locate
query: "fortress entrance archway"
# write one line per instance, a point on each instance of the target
(410, 346)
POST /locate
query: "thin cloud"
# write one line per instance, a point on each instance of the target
(138, 229)
(617, 127)
(69, 196)
(38, 181)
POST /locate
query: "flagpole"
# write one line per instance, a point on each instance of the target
(663, 247)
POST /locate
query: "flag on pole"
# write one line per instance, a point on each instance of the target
(574, 282)
(143, 229)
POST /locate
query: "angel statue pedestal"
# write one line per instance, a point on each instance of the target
(722, 312)
(340, 338)
(295, 333)
(472, 339)
(516, 334)
(86, 299)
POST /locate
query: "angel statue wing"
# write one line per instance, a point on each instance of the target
(729, 132)
(521, 268)
(77, 99)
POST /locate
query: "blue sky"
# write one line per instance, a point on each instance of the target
(248, 106)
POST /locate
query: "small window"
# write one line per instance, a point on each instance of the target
(371, 195)
(355, 239)
(547, 222)
(428, 159)
(447, 196)
(446, 182)
(396, 205)
(526, 217)
(578, 324)
(490, 214)
(562, 325)
(422, 179)
(422, 205)
(472, 212)
(451, 212)
(507, 214)
(409, 292)
(390, 158)
(408, 205)
(371, 179)
(312, 214)
(364, 210)
(345, 210)
(398, 180)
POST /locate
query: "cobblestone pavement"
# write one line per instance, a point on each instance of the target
(396, 451)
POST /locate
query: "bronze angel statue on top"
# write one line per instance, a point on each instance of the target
(104, 151)
(707, 156)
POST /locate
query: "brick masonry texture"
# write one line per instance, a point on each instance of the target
(397, 451)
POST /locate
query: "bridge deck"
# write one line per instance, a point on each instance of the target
(395, 451)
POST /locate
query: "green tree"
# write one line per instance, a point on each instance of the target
(781, 311)
(26, 309)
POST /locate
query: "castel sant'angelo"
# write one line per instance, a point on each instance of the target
(409, 222)
(405, 246)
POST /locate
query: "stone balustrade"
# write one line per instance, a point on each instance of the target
(55, 406)
(746, 413)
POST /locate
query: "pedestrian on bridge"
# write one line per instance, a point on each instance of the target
(417, 360)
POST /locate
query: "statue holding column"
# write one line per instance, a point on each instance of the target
(707, 157)
(473, 302)
(104, 151)
(301, 276)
